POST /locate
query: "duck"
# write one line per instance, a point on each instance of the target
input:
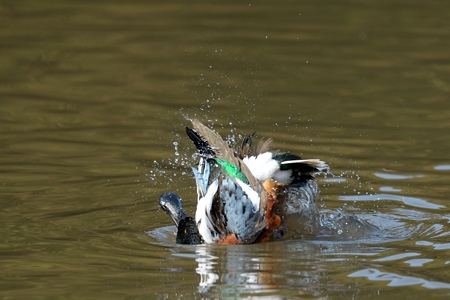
(243, 193)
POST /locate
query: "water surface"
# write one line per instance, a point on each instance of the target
(94, 99)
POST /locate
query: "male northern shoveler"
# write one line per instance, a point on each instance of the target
(241, 194)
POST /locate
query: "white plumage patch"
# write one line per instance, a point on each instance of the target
(203, 215)
(283, 177)
(251, 194)
(321, 166)
(262, 166)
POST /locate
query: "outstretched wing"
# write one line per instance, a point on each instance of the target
(223, 152)
(208, 142)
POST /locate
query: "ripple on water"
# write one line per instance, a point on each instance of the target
(398, 280)
(398, 256)
(442, 167)
(418, 262)
(411, 201)
(396, 176)
(389, 189)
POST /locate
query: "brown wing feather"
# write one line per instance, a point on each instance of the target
(246, 148)
(224, 152)
(263, 146)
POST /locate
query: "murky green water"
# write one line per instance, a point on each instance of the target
(93, 104)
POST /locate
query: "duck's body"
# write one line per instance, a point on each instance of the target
(241, 194)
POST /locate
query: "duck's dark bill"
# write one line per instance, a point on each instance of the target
(171, 204)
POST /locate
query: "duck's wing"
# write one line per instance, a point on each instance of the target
(208, 142)
(223, 152)
(202, 145)
(243, 220)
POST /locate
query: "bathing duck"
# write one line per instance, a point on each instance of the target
(241, 194)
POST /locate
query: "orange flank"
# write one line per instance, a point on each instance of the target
(273, 191)
(230, 240)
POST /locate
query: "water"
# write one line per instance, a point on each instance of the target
(94, 99)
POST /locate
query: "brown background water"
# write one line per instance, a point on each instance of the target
(94, 99)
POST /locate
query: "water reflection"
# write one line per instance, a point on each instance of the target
(289, 268)
(205, 269)
(238, 271)
(279, 269)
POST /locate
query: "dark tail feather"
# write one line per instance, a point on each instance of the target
(203, 147)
